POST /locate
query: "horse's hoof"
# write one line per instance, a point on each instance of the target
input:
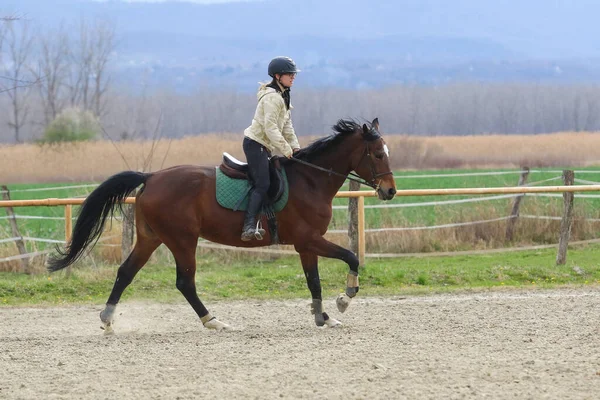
(217, 325)
(108, 329)
(320, 320)
(107, 315)
(342, 302)
(333, 323)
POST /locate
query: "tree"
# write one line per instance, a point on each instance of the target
(2, 30)
(89, 56)
(52, 71)
(15, 81)
(103, 46)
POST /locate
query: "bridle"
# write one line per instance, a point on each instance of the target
(352, 176)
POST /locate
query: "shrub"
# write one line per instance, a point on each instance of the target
(72, 125)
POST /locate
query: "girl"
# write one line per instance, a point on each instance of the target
(271, 129)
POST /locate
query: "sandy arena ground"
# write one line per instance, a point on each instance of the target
(500, 345)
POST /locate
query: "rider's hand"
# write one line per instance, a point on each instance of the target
(294, 151)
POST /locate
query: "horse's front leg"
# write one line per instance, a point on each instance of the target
(325, 248)
(311, 271)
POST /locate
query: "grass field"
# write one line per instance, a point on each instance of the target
(283, 278)
(222, 275)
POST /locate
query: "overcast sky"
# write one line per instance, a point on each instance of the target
(182, 1)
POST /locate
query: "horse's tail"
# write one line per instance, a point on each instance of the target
(93, 214)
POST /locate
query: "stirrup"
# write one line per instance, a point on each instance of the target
(259, 232)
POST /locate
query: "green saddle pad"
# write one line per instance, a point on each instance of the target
(230, 191)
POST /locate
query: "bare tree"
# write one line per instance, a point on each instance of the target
(52, 71)
(10, 18)
(89, 56)
(103, 45)
(135, 117)
(2, 31)
(147, 160)
(592, 109)
(414, 110)
(79, 59)
(15, 81)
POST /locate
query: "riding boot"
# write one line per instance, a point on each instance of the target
(249, 230)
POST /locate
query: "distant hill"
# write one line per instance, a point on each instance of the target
(344, 43)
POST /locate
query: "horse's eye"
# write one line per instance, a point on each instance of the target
(379, 156)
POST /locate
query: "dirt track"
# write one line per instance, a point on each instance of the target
(542, 344)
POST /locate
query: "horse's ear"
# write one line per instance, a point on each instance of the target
(375, 123)
(365, 130)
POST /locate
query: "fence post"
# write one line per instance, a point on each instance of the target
(567, 219)
(68, 231)
(127, 235)
(15, 230)
(353, 218)
(510, 226)
(68, 223)
(361, 231)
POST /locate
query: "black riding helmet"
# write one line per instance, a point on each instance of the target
(282, 65)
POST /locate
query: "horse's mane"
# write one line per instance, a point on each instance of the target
(343, 129)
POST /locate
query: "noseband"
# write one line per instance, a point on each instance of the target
(374, 176)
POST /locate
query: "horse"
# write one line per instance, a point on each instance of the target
(177, 205)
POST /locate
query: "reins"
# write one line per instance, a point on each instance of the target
(351, 176)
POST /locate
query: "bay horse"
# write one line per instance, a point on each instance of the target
(178, 205)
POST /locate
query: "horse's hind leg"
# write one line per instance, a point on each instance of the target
(185, 259)
(311, 271)
(140, 254)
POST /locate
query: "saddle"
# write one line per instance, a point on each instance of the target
(234, 187)
(236, 169)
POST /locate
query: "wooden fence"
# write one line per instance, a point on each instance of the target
(357, 212)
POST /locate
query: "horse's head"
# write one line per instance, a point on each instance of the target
(371, 161)
(354, 148)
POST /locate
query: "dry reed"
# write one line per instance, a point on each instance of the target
(94, 161)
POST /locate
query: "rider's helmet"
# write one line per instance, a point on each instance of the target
(282, 65)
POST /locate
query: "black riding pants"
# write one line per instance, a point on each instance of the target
(257, 157)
